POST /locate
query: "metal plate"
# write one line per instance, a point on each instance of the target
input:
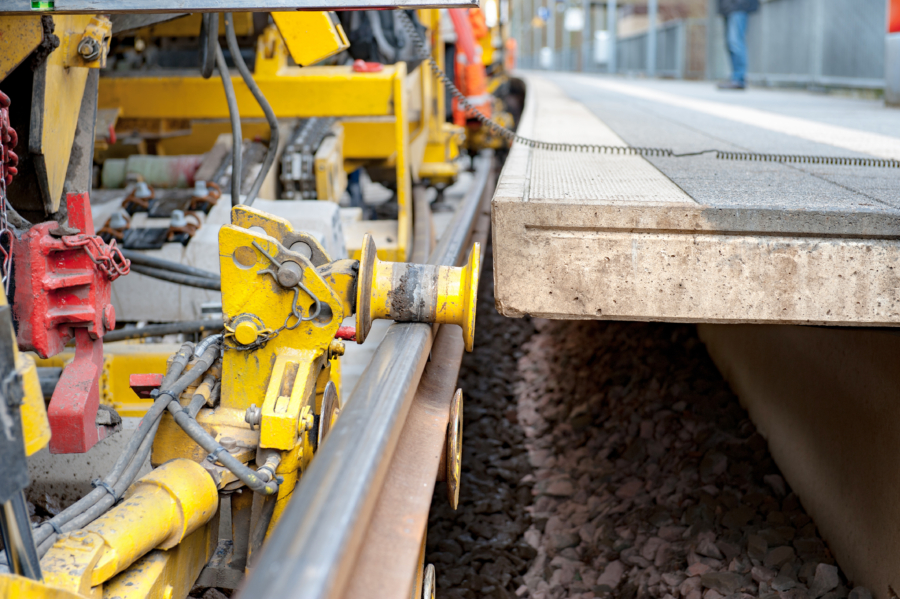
(148, 6)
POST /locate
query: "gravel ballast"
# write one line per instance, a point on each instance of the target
(606, 459)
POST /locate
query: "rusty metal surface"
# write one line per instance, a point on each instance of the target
(387, 562)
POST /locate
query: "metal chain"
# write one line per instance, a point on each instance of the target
(108, 258)
(511, 136)
(9, 162)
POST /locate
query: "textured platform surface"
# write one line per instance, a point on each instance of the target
(698, 239)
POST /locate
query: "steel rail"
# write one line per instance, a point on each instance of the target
(317, 539)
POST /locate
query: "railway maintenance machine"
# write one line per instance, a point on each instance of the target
(232, 423)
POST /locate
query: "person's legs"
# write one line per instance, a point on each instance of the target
(737, 45)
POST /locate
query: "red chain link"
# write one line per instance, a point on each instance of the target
(9, 161)
(107, 257)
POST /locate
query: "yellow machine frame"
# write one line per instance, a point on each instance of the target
(391, 118)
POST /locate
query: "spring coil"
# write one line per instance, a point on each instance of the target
(511, 136)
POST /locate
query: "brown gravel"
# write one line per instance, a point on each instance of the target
(643, 476)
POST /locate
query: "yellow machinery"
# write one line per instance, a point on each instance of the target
(238, 417)
(392, 120)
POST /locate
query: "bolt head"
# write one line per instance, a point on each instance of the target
(289, 274)
(246, 333)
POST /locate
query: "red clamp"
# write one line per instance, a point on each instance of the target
(361, 66)
(62, 291)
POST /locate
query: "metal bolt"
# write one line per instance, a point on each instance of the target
(89, 49)
(337, 347)
(289, 274)
(253, 416)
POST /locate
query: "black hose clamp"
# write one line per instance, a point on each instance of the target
(214, 456)
(97, 483)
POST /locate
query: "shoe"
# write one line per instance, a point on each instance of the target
(732, 85)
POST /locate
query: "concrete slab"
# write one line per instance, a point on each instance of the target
(690, 239)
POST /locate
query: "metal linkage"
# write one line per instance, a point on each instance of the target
(298, 161)
(511, 136)
(312, 548)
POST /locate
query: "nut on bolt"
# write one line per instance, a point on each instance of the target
(253, 416)
(89, 49)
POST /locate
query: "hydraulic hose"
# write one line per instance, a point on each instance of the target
(237, 137)
(209, 39)
(141, 258)
(272, 149)
(196, 432)
(169, 328)
(178, 278)
(133, 456)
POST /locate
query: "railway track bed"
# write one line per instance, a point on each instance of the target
(612, 460)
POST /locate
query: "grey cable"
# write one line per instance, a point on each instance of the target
(237, 137)
(131, 459)
(209, 39)
(272, 148)
(137, 257)
(177, 278)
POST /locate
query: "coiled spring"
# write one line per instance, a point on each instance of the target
(501, 131)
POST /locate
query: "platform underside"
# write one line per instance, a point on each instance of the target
(599, 236)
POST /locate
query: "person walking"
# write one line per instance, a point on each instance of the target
(736, 13)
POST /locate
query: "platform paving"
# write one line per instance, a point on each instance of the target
(698, 239)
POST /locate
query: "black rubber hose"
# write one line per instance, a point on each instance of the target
(196, 432)
(272, 149)
(209, 39)
(177, 278)
(169, 328)
(127, 458)
(108, 500)
(141, 258)
(237, 137)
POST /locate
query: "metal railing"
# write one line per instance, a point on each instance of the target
(315, 543)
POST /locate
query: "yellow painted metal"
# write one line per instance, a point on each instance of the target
(13, 586)
(120, 361)
(331, 179)
(166, 574)
(326, 91)
(291, 386)
(99, 29)
(35, 424)
(58, 94)
(368, 138)
(418, 293)
(19, 36)
(189, 26)
(159, 511)
(172, 442)
(311, 36)
(283, 371)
